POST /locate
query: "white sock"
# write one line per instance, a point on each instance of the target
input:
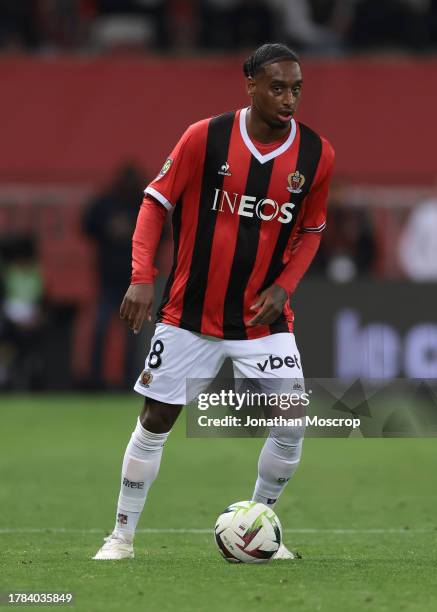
(140, 468)
(278, 461)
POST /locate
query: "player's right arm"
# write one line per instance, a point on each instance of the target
(161, 195)
(138, 301)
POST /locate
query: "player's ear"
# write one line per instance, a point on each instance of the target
(251, 86)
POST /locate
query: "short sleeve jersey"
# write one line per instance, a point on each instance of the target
(236, 209)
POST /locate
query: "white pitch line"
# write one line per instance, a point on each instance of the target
(309, 530)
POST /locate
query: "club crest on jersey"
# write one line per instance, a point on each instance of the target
(146, 378)
(295, 182)
(165, 168)
(224, 170)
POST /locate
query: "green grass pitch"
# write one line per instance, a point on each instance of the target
(363, 514)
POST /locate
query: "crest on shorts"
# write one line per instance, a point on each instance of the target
(146, 378)
(295, 182)
(165, 168)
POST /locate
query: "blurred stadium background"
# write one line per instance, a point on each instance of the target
(95, 93)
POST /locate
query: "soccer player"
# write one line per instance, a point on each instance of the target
(249, 191)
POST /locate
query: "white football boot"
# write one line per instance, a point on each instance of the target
(283, 554)
(116, 547)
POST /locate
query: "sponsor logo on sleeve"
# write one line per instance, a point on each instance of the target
(165, 168)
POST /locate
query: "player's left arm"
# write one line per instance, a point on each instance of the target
(272, 300)
(306, 242)
(303, 246)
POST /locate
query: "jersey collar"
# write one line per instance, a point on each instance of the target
(252, 148)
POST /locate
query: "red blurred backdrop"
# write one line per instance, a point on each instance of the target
(68, 123)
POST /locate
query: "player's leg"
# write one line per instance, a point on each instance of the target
(278, 461)
(274, 357)
(142, 460)
(175, 355)
(140, 468)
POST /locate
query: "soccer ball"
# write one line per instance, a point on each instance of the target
(248, 532)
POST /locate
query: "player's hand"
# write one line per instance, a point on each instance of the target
(269, 306)
(136, 306)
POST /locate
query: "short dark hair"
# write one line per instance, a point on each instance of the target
(267, 54)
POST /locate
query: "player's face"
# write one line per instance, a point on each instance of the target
(275, 92)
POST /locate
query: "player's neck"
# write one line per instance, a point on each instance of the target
(260, 131)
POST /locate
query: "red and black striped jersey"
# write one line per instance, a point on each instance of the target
(237, 207)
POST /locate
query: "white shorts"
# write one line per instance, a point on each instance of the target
(177, 354)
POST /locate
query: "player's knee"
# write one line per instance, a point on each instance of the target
(155, 422)
(158, 418)
(288, 437)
